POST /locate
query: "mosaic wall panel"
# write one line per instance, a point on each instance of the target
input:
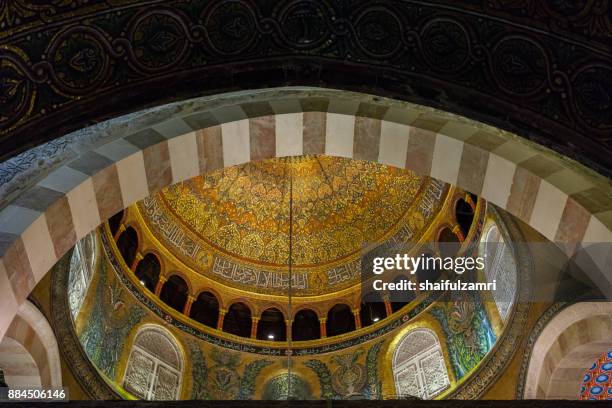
(469, 335)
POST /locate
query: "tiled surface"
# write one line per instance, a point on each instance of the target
(236, 142)
(132, 179)
(597, 380)
(184, 159)
(548, 209)
(339, 135)
(77, 196)
(289, 129)
(498, 180)
(393, 144)
(446, 159)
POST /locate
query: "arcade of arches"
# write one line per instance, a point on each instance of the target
(225, 262)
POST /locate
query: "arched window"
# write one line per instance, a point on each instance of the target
(154, 368)
(448, 243)
(501, 267)
(400, 298)
(430, 269)
(372, 309)
(114, 222)
(238, 320)
(206, 309)
(305, 326)
(418, 365)
(272, 326)
(174, 293)
(128, 245)
(148, 270)
(82, 265)
(464, 213)
(340, 320)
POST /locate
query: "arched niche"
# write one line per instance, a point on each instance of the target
(448, 243)
(31, 341)
(272, 326)
(115, 221)
(174, 293)
(154, 370)
(127, 244)
(82, 268)
(372, 309)
(238, 320)
(205, 309)
(148, 270)
(305, 326)
(418, 365)
(340, 320)
(501, 267)
(569, 343)
(464, 214)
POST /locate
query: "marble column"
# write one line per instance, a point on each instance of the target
(137, 258)
(220, 320)
(323, 325)
(254, 323)
(188, 304)
(357, 319)
(120, 230)
(160, 285)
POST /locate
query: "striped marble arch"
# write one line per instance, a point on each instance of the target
(45, 213)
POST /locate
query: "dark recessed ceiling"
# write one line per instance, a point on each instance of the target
(540, 69)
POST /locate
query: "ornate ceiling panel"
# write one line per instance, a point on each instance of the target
(540, 69)
(235, 224)
(337, 206)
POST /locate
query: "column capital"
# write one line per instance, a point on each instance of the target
(255, 318)
(222, 311)
(323, 319)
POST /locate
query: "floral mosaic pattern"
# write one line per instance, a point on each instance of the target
(597, 381)
(468, 330)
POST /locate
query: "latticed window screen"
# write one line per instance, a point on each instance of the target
(154, 367)
(418, 365)
(82, 265)
(501, 267)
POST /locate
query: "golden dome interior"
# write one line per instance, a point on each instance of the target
(244, 211)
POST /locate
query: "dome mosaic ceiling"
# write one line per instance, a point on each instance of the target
(238, 222)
